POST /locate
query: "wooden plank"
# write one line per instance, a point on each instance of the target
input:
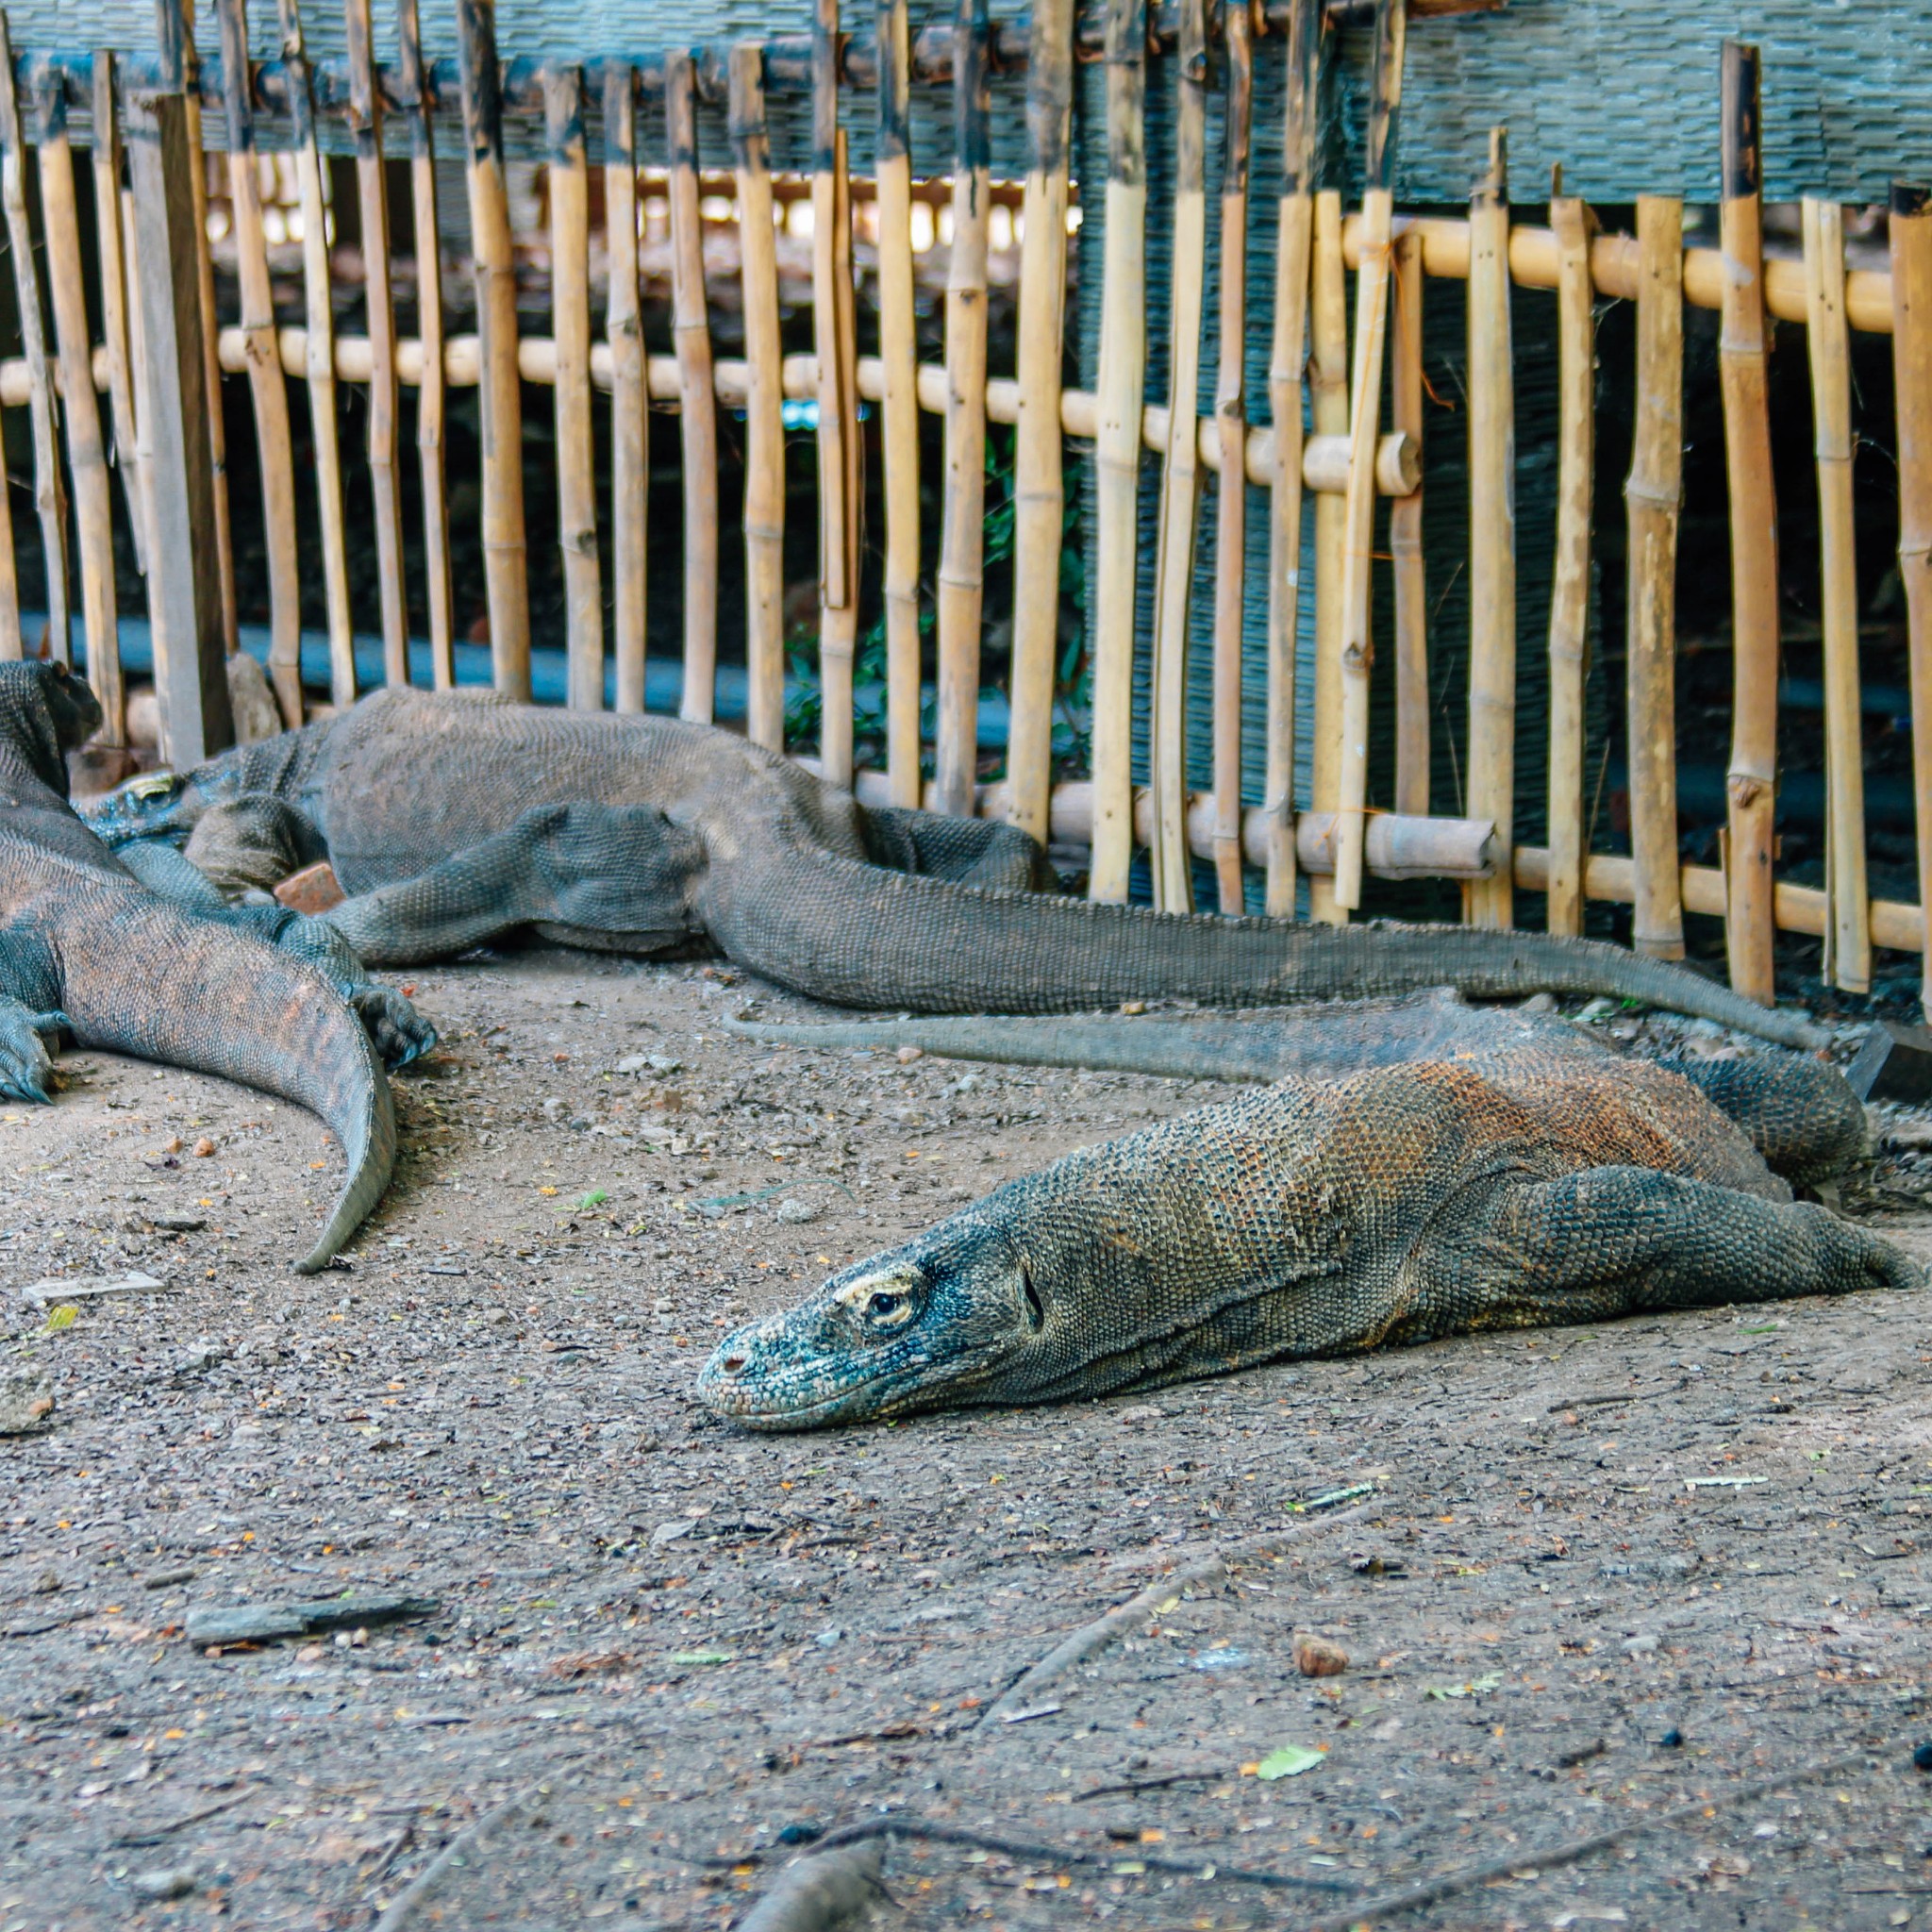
(1911, 231)
(1328, 414)
(1406, 534)
(630, 397)
(111, 267)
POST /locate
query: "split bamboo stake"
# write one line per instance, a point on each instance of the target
(429, 400)
(1406, 533)
(505, 562)
(385, 486)
(1653, 494)
(1180, 483)
(1570, 221)
(111, 266)
(1231, 498)
(50, 496)
(1120, 399)
(1039, 484)
(1286, 364)
(1328, 411)
(568, 176)
(841, 637)
(1743, 375)
(1911, 353)
(764, 427)
(321, 366)
(963, 546)
(1848, 932)
(140, 464)
(267, 386)
(630, 401)
(899, 436)
(697, 403)
(1365, 422)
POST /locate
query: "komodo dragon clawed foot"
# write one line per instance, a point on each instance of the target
(26, 1066)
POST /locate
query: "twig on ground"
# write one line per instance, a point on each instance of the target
(822, 1890)
(158, 1834)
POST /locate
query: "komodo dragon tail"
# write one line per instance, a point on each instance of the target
(218, 1001)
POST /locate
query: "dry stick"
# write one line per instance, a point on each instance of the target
(1911, 362)
(1119, 402)
(899, 408)
(764, 426)
(385, 486)
(1653, 494)
(505, 561)
(1365, 420)
(1848, 937)
(1491, 531)
(429, 401)
(1744, 376)
(50, 496)
(630, 401)
(1570, 221)
(1328, 411)
(962, 542)
(111, 264)
(1287, 362)
(1039, 484)
(570, 307)
(268, 387)
(1231, 500)
(1411, 623)
(697, 396)
(1180, 480)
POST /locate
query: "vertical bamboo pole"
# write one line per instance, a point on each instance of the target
(1653, 494)
(1231, 496)
(1911, 353)
(505, 561)
(764, 438)
(320, 366)
(1743, 375)
(697, 400)
(110, 261)
(1491, 532)
(962, 543)
(844, 634)
(1121, 384)
(1038, 486)
(834, 326)
(1286, 368)
(568, 176)
(1365, 424)
(267, 382)
(429, 397)
(1848, 920)
(630, 401)
(142, 450)
(1571, 223)
(899, 431)
(1328, 415)
(372, 195)
(1180, 483)
(86, 455)
(1406, 534)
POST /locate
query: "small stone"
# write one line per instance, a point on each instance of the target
(203, 1148)
(46, 1583)
(313, 889)
(25, 1400)
(799, 1834)
(830, 1635)
(175, 1881)
(1921, 1757)
(1673, 1739)
(906, 1054)
(311, 1653)
(1316, 1656)
(1133, 1005)
(792, 1212)
(172, 1144)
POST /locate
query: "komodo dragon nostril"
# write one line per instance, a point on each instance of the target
(733, 1364)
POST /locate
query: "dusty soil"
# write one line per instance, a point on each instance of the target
(1606, 1573)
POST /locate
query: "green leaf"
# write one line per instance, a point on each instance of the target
(596, 1198)
(63, 1316)
(1475, 1686)
(1289, 1761)
(703, 1656)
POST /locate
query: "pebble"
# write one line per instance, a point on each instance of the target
(1673, 1739)
(175, 1881)
(792, 1212)
(26, 1403)
(1316, 1656)
(1922, 1756)
(203, 1147)
(906, 1054)
(46, 1583)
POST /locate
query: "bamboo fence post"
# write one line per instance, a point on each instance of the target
(1287, 363)
(1411, 623)
(267, 382)
(321, 358)
(1231, 496)
(505, 561)
(1121, 384)
(630, 399)
(568, 173)
(1328, 414)
(764, 440)
(1653, 495)
(430, 397)
(1039, 484)
(1570, 221)
(86, 453)
(1848, 929)
(962, 544)
(1180, 483)
(142, 453)
(899, 406)
(1365, 424)
(50, 496)
(110, 261)
(1492, 533)
(1911, 351)
(1743, 375)
(697, 398)
(372, 194)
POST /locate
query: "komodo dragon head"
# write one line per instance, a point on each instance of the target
(49, 713)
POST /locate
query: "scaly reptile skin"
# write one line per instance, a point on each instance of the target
(453, 818)
(86, 949)
(1309, 1219)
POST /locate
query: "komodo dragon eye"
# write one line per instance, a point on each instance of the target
(887, 1308)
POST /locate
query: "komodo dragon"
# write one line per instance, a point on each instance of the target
(86, 949)
(455, 817)
(1526, 1177)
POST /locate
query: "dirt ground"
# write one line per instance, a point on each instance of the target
(1603, 1574)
